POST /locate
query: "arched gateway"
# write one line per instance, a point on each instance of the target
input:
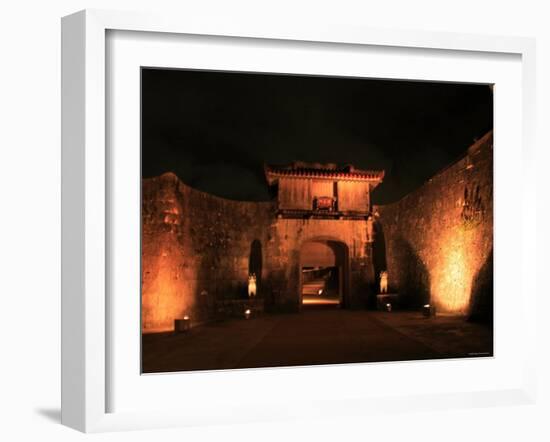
(324, 273)
(323, 233)
(199, 252)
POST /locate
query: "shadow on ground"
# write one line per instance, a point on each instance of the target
(51, 414)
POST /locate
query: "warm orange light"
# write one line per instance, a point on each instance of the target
(320, 301)
(452, 273)
(165, 293)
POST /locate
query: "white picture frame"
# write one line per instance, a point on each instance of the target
(86, 356)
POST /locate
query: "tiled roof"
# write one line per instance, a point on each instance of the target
(335, 173)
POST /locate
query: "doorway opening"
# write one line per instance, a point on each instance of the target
(323, 274)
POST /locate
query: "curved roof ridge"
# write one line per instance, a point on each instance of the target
(329, 171)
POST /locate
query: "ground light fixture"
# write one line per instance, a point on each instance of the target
(428, 310)
(182, 325)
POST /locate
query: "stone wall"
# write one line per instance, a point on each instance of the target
(437, 242)
(288, 236)
(198, 249)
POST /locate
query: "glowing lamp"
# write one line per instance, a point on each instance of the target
(428, 310)
(388, 307)
(247, 313)
(320, 291)
(182, 325)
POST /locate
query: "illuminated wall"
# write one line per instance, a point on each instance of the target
(196, 249)
(165, 295)
(287, 238)
(353, 196)
(438, 240)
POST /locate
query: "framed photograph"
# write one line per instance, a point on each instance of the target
(266, 222)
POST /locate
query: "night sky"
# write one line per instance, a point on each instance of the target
(215, 130)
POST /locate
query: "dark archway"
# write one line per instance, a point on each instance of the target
(324, 273)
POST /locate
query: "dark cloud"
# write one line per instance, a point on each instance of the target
(216, 129)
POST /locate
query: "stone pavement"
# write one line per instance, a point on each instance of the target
(328, 336)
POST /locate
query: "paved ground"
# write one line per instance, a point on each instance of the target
(313, 337)
(315, 293)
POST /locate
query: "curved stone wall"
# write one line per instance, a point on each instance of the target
(198, 250)
(438, 240)
(436, 244)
